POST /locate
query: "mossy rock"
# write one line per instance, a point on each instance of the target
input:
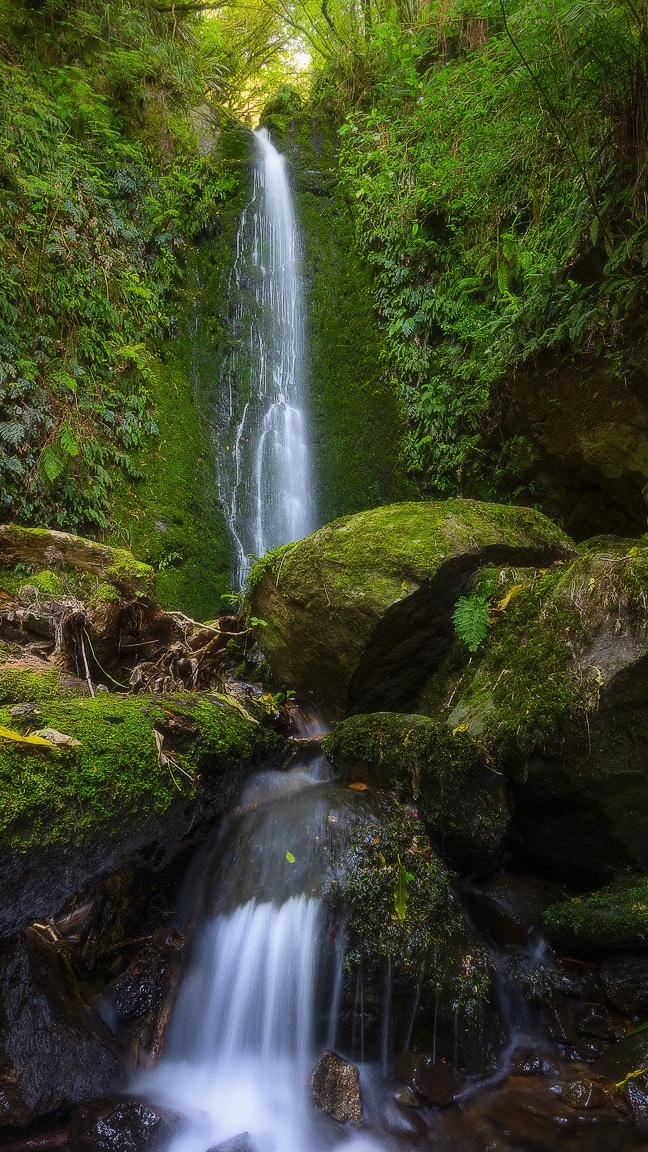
(405, 934)
(359, 613)
(558, 692)
(614, 917)
(461, 795)
(72, 814)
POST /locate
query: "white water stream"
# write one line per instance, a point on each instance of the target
(264, 459)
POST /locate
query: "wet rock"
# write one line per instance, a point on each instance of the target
(360, 612)
(240, 1143)
(636, 1094)
(139, 989)
(531, 1062)
(53, 1053)
(625, 982)
(587, 1093)
(436, 1082)
(122, 1124)
(594, 1020)
(508, 907)
(406, 1098)
(612, 916)
(463, 801)
(627, 1055)
(335, 1088)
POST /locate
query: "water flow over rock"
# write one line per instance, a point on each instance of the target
(264, 465)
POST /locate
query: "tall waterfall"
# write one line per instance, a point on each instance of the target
(264, 460)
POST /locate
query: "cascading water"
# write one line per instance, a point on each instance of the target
(264, 460)
(261, 994)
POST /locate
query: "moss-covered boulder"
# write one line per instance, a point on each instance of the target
(406, 938)
(137, 777)
(614, 917)
(461, 795)
(558, 692)
(359, 613)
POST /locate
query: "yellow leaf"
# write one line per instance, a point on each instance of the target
(460, 728)
(358, 787)
(502, 604)
(18, 738)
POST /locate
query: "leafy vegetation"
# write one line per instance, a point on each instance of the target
(101, 183)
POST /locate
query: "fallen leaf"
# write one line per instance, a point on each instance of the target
(290, 858)
(358, 787)
(18, 738)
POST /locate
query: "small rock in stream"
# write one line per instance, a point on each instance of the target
(436, 1082)
(335, 1088)
(240, 1143)
(122, 1124)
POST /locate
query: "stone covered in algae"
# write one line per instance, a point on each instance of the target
(359, 613)
(146, 773)
(558, 693)
(614, 917)
(461, 795)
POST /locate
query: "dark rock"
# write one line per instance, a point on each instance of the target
(625, 981)
(625, 1056)
(508, 907)
(335, 1088)
(587, 1093)
(531, 1062)
(240, 1143)
(122, 1124)
(53, 1053)
(138, 989)
(636, 1095)
(406, 1098)
(594, 1020)
(436, 1082)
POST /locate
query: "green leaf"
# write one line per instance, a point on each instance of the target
(51, 464)
(290, 858)
(67, 442)
(471, 619)
(401, 891)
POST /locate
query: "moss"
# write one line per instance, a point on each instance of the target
(171, 518)
(18, 686)
(614, 917)
(47, 582)
(324, 598)
(461, 796)
(60, 795)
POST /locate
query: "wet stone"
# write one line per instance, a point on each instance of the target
(436, 1082)
(530, 1062)
(594, 1020)
(335, 1088)
(636, 1095)
(625, 982)
(240, 1143)
(588, 1094)
(406, 1098)
(122, 1124)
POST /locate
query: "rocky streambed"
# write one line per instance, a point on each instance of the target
(494, 891)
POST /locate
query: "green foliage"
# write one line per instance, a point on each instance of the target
(101, 182)
(471, 619)
(499, 185)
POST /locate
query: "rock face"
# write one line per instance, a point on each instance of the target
(122, 1124)
(145, 773)
(335, 1089)
(52, 1052)
(558, 693)
(461, 796)
(434, 1081)
(359, 613)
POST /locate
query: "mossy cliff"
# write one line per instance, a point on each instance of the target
(359, 422)
(138, 777)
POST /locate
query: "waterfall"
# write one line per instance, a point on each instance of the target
(264, 462)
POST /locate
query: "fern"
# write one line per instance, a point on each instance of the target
(471, 619)
(51, 464)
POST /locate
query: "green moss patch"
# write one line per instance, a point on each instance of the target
(461, 795)
(115, 775)
(614, 917)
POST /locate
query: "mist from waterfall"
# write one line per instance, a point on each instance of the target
(264, 464)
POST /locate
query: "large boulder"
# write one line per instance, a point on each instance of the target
(461, 795)
(558, 693)
(359, 613)
(140, 777)
(122, 1124)
(335, 1088)
(53, 1053)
